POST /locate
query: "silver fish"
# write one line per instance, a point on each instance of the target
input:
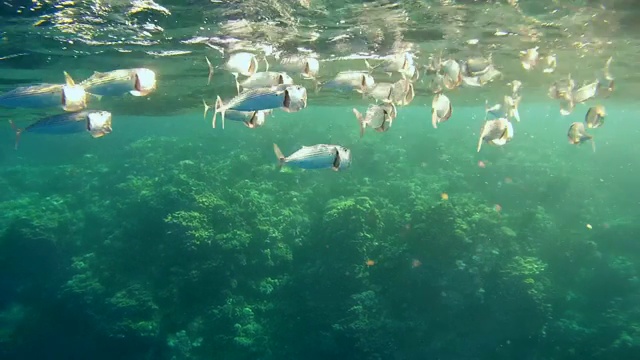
(377, 117)
(351, 80)
(511, 107)
(321, 156)
(577, 134)
(290, 98)
(496, 132)
(529, 58)
(239, 63)
(137, 82)
(251, 119)
(308, 67)
(401, 63)
(266, 79)
(476, 66)
(70, 96)
(441, 109)
(96, 123)
(401, 92)
(595, 117)
(452, 73)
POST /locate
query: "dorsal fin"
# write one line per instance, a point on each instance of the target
(68, 79)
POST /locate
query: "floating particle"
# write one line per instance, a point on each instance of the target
(444, 196)
(589, 226)
(497, 208)
(370, 262)
(415, 263)
(482, 164)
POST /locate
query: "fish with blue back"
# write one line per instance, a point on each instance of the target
(69, 96)
(96, 123)
(320, 156)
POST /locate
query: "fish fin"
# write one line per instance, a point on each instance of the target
(434, 118)
(266, 63)
(481, 139)
(219, 108)
(206, 109)
(318, 86)
(18, 132)
(369, 67)
(237, 83)
(68, 79)
(210, 70)
(279, 155)
(360, 121)
(97, 97)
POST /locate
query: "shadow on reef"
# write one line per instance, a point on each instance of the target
(190, 259)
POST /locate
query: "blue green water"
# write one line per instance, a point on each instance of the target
(167, 239)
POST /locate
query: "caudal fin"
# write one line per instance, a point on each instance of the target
(206, 108)
(219, 108)
(360, 121)
(279, 155)
(210, 70)
(18, 132)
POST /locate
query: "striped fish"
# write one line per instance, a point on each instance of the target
(290, 98)
(69, 96)
(320, 156)
(137, 82)
(97, 123)
(251, 119)
(496, 132)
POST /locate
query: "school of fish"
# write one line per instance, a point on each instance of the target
(259, 93)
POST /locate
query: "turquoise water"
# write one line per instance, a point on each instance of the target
(167, 239)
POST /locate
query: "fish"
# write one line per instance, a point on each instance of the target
(290, 98)
(529, 58)
(496, 132)
(607, 82)
(401, 63)
(266, 79)
(308, 67)
(515, 85)
(96, 123)
(550, 64)
(69, 96)
(239, 63)
(401, 92)
(377, 117)
(251, 119)
(351, 80)
(137, 82)
(577, 135)
(441, 109)
(595, 117)
(511, 107)
(452, 72)
(320, 156)
(476, 66)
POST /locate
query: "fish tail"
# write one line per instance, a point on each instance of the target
(279, 155)
(210, 70)
(434, 118)
(18, 132)
(237, 83)
(206, 109)
(219, 108)
(369, 67)
(360, 121)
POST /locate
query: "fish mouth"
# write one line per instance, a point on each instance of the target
(337, 160)
(287, 99)
(280, 79)
(252, 66)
